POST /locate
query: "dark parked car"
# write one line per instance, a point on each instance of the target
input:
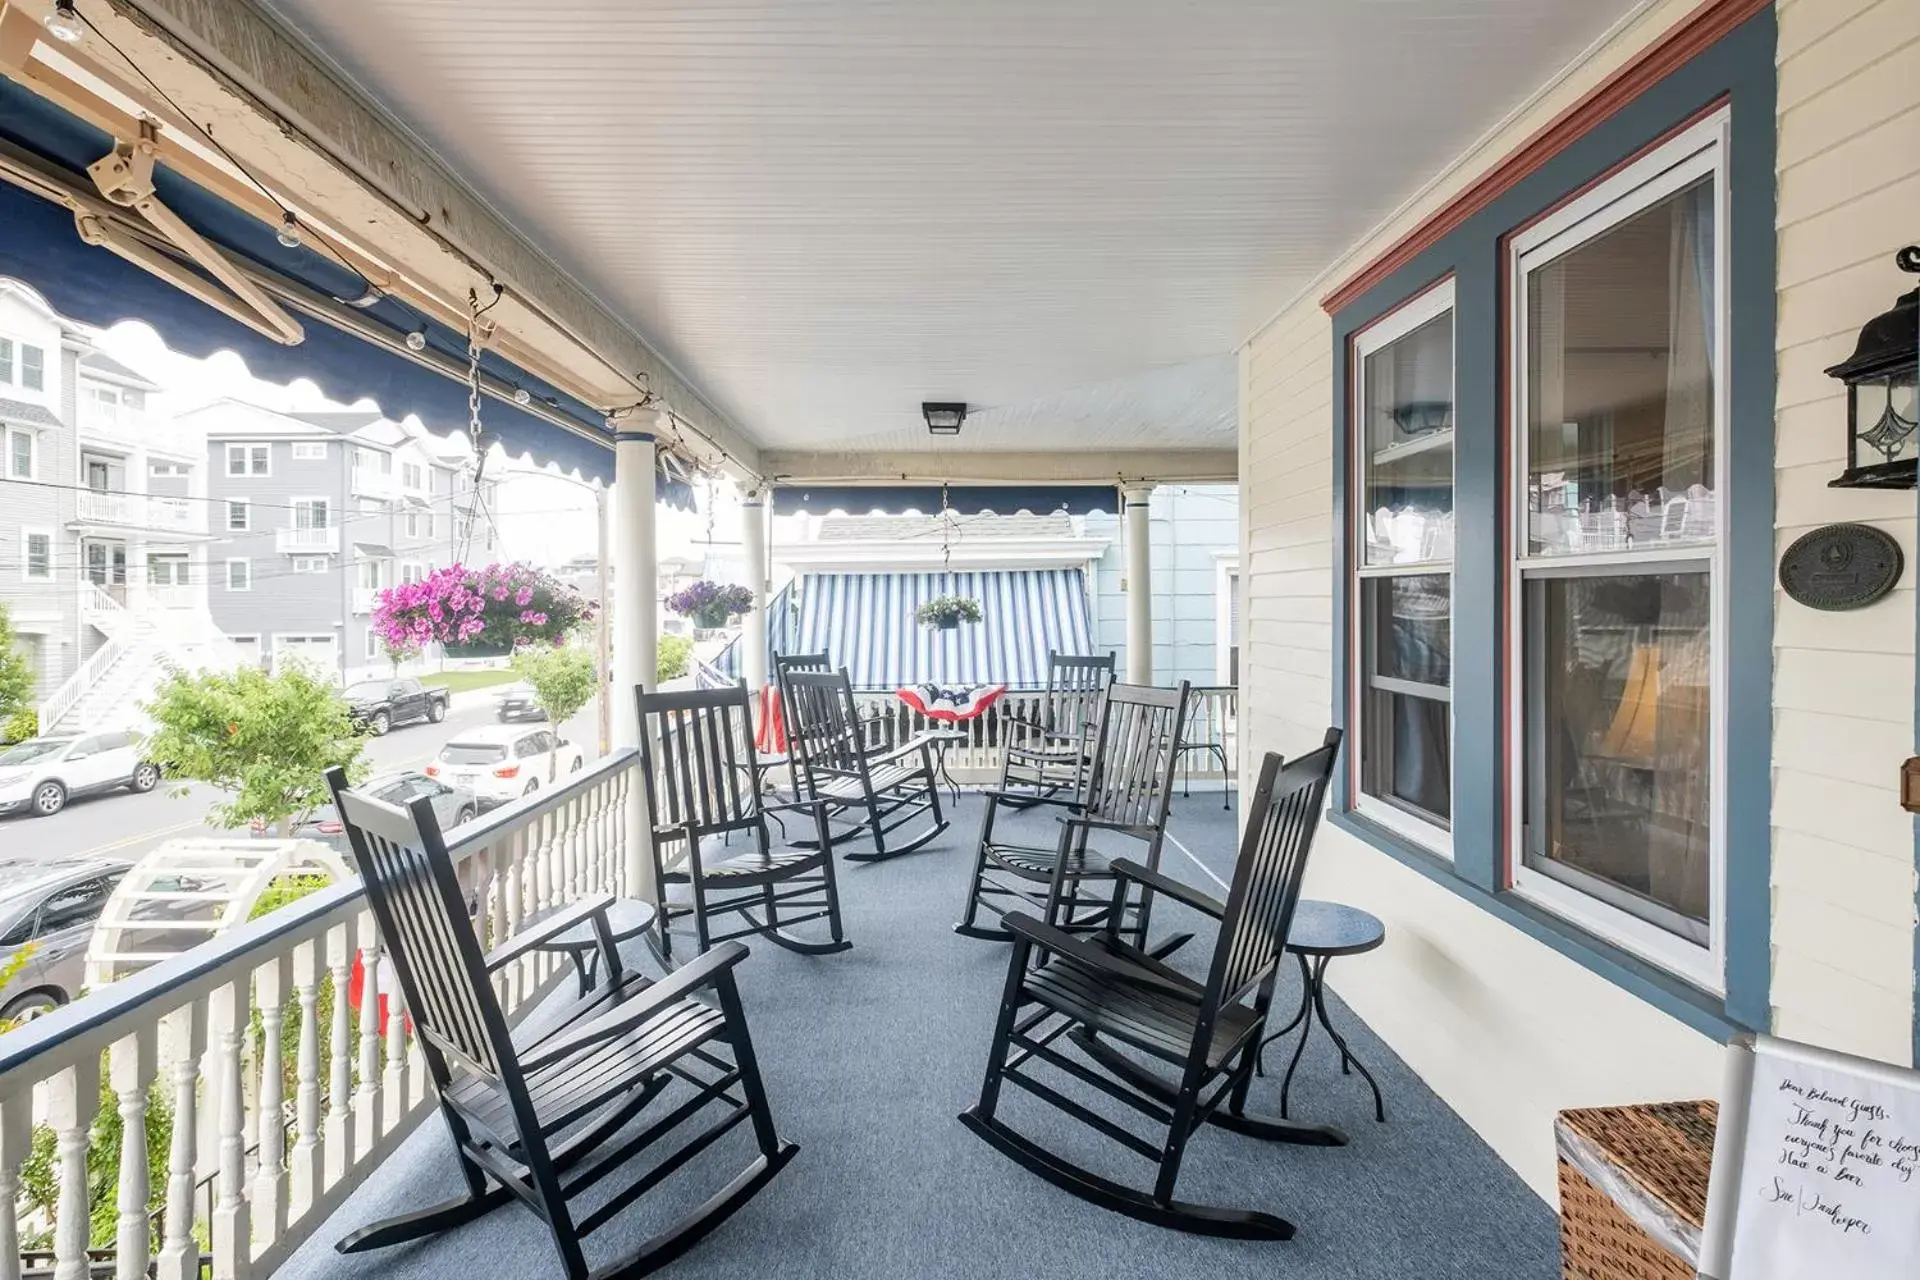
(378, 705)
(516, 702)
(51, 904)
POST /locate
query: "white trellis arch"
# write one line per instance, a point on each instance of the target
(190, 891)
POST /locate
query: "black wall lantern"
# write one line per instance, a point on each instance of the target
(944, 417)
(1882, 408)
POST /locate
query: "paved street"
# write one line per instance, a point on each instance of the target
(126, 825)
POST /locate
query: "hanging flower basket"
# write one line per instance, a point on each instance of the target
(945, 613)
(710, 604)
(479, 612)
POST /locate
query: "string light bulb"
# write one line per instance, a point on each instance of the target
(522, 396)
(64, 23)
(289, 236)
(417, 340)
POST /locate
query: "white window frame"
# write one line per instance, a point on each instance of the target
(245, 507)
(244, 451)
(10, 362)
(309, 450)
(1226, 586)
(1696, 152)
(228, 578)
(372, 644)
(26, 573)
(310, 564)
(293, 511)
(158, 470)
(20, 358)
(33, 452)
(1437, 300)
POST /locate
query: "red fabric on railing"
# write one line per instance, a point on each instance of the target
(951, 704)
(772, 735)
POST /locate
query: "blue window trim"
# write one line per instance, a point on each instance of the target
(1737, 69)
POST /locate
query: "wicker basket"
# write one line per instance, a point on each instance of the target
(1633, 1190)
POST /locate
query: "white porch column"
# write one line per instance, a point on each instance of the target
(753, 635)
(636, 622)
(1139, 585)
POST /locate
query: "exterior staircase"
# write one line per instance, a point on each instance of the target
(141, 647)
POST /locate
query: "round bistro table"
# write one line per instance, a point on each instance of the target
(1320, 932)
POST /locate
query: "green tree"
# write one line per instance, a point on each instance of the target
(265, 739)
(562, 680)
(671, 658)
(16, 674)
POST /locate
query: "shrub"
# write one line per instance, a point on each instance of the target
(672, 658)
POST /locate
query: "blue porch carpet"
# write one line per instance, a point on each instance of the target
(869, 1055)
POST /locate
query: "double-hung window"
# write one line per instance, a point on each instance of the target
(20, 453)
(1402, 397)
(1618, 645)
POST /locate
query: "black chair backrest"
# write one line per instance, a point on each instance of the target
(705, 772)
(1076, 684)
(1281, 823)
(1131, 781)
(785, 664)
(825, 729)
(422, 914)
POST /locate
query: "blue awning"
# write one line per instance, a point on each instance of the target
(961, 499)
(865, 622)
(39, 245)
(779, 623)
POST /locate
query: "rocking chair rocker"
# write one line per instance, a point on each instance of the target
(699, 791)
(1098, 993)
(885, 789)
(1125, 791)
(543, 1120)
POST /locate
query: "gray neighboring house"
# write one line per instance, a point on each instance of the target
(313, 513)
(102, 522)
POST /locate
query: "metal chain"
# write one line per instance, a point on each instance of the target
(473, 420)
(946, 531)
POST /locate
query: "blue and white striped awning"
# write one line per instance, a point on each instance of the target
(865, 622)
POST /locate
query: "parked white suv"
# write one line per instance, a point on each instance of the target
(41, 774)
(504, 762)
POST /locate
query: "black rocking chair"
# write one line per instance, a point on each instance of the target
(871, 792)
(1098, 993)
(1125, 792)
(699, 792)
(1048, 753)
(542, 1120)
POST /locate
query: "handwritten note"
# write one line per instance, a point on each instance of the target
(1830, 1176)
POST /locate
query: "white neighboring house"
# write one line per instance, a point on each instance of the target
(103, 527)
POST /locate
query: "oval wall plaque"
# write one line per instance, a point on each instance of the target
(1841, 566)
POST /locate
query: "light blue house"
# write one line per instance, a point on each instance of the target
(1045, 581)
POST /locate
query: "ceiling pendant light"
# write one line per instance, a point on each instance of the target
(417, 340)
(64, 23)
(522, 396)
(289, 236)
(943, 417)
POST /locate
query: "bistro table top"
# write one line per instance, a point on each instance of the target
(1333, 929)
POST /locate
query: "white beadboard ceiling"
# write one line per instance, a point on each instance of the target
(1067, 213)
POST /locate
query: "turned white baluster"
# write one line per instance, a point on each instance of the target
(73, 1101)
(366, 1104)
(304, 1175)
(132, 1071)
(515, 875)
(395, 1083)
(16, 1140)
(270, 1176)
(184, 1043)
(231, 1228)
(339, 1126)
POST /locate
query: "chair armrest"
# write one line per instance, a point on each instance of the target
(997, 795)
(792, 806)
(1085, 955)
(703, 971)
(1124, 828)
(1127, 869)
(899, 752)
(542, 932)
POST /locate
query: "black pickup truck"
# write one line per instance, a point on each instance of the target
(379, 705)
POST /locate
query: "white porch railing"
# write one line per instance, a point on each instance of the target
(222, 1037)
(75, 686)
(1212, 716)
(304, 539)
(101, 506)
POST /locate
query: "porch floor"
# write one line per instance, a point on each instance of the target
(869, 1056)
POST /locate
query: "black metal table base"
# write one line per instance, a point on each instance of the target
(1313, 1004)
